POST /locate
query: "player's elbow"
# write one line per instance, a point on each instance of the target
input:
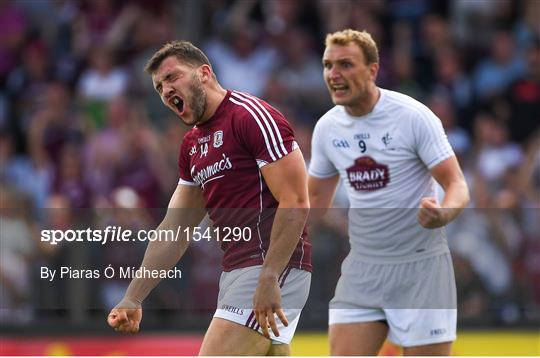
(461, 193)
(465, 193)
(297, 201)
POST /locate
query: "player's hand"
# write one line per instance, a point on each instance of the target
(431, 215)
(125, 317)
(266, 303)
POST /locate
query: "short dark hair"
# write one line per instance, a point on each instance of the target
(182, 50)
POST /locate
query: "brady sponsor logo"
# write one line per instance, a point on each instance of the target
(232, 309)
(368, 175)
(209, 172)
(204, 139)
(218, 139)
(360, 136)
(340, 143)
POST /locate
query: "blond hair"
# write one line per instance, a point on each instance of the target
(361, 38)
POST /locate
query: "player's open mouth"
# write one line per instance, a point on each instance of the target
(178, 103)
(339, 90)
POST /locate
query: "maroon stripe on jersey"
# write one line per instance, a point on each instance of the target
(285, 277)
(250, 318)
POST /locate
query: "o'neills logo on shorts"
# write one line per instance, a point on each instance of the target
(367, 175)
(232, 309)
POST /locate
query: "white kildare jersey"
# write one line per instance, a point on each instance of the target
(383, 159)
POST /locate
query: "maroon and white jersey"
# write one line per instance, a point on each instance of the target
(223, 156)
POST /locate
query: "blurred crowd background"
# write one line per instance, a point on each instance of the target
(84, 136)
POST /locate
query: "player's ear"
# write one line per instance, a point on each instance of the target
(373, 70)
(205, 72)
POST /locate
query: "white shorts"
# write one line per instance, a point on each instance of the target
(235, 300)
(407, 327)
(417, 299)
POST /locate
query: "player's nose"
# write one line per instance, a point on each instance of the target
(333, 72)
(168, 91)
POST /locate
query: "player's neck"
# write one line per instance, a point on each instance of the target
(214, 96)
(367, 103)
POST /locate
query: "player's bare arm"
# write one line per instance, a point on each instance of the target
(159, 255)
(287, 180)
(456, 195)
(321, 195)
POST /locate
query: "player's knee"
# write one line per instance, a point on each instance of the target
(279, 350)
(436, 349)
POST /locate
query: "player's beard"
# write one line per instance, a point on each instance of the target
(198, 99)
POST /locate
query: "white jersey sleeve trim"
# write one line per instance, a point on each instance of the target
(261, 163)
(185, 182)
(440, 159)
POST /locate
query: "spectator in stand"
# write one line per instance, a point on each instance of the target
(93, 21)
(495, 153)
(20, 172)
(403, 76)
(243, 62)
(451, 77)
(19, 245)
(13, 27)
(492, 75)
(523, 97)
(142, 166)
(102, 80)
(299, 73)
(100, 83)
(459, 139)
(52, 126)
(26, 83)
(69, 180)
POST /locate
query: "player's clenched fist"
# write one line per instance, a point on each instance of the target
(431, 215)
(125, 317)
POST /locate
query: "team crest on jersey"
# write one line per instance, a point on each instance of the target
(386, 139)
(193, 150)
(218, 139)
(368, 175)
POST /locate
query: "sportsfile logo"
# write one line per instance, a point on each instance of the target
(208, 173)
